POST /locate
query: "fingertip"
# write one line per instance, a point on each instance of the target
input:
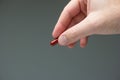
(53, 34)
(62, 40)
(82, 45)
(71, 45)
(83, 42)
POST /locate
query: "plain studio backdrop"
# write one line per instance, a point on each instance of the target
(25, 53)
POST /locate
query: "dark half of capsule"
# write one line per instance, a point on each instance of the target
(54, 42)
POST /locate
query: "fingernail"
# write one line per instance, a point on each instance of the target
(63, 40)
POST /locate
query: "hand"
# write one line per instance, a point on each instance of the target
(83, 18)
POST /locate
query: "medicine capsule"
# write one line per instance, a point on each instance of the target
(54, 42)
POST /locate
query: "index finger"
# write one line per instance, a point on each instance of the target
(70, 11)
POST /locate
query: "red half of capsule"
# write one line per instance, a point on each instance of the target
(54, 42)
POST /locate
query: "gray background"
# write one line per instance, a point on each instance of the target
(25, 54)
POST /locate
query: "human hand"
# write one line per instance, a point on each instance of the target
(83, 18)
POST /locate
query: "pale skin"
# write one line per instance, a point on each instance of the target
(83, 18)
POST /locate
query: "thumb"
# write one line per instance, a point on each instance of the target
(84, 28)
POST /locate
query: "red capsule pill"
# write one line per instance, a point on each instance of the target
(54, 42)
